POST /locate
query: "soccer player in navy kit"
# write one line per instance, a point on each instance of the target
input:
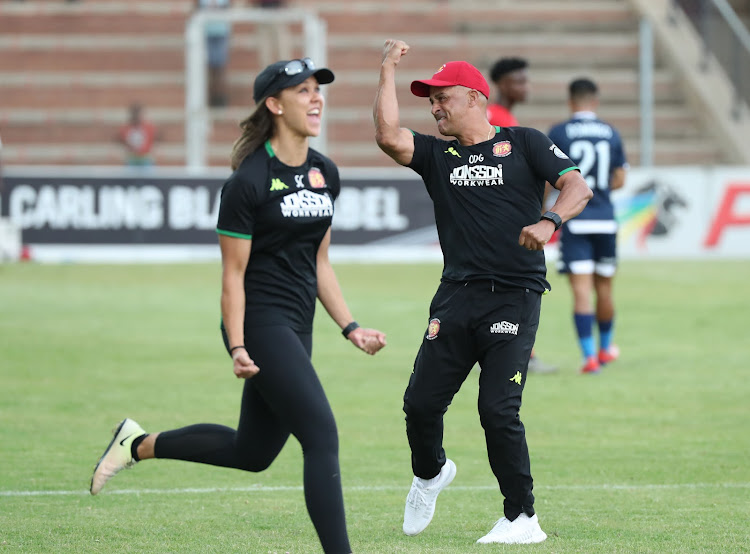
(588, 243)
(274, 231)
(487, 188)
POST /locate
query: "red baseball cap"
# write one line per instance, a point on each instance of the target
(451, 74)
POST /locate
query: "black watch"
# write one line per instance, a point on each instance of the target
(553, 217)
(349, 328)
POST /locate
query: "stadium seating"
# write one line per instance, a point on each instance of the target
(68, 71)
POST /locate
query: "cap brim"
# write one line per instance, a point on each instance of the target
(323, 75)
(422, 88)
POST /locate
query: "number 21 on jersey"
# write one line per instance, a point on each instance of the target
(594, 162)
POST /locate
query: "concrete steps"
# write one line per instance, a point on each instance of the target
(68, 71)
(346, 125)
(115, 89)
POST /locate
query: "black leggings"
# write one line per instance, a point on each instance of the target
(284, 397)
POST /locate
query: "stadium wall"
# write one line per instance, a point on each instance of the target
(85, 214)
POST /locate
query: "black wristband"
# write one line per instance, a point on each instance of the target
(554, 218)
(236, 347)
(349, 328)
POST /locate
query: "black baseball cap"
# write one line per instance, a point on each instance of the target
(288, 73)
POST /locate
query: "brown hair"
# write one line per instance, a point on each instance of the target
(257, 128)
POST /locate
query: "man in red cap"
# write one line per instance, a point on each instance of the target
(487, 186)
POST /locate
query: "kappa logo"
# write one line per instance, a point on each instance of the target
(452, 150)
(504, 328)
(278, 184)
(433, 329)
(516, 378)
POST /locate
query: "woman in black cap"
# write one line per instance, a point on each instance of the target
(274, 231)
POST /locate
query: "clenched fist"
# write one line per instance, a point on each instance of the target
(393, 50)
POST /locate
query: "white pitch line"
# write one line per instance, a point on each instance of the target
(387, 488)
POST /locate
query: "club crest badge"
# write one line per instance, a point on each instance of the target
(501, 149)
(433, 329)
(317, 181)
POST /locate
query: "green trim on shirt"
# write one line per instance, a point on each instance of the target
(233, 234)
(268, 148)
(564, 171)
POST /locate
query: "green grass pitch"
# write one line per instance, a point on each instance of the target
(650, 456)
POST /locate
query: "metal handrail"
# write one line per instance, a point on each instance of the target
(731, 61)
(734, 22)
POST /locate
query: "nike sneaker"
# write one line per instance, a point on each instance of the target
(117, 456)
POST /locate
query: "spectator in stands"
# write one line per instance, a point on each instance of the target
(138, 136)
(217, 45)
(511, 80)
(588, 243)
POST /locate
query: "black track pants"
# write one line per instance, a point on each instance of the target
(476, 322)
(284, 397)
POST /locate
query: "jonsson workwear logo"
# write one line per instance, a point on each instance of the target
(477, 176)
(504, 327)
(305, 203)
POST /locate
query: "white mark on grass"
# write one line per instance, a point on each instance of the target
(389, 488)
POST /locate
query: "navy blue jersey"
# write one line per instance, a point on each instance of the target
(286, 211)
(597, 149)
(483, 196)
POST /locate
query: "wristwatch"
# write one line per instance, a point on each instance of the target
(553, 217)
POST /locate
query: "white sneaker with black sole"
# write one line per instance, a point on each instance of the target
(522, 530)
(420, 503)
(117, 456)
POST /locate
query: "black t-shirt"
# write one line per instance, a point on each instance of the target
(483, 196)
(286, 211)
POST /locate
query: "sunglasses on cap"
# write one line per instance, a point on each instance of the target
(295, 67)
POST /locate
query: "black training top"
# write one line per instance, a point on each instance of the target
(286, 211)
(483, 196)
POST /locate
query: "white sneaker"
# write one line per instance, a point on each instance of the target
(522, 530)
(117, 455)
(420, 503)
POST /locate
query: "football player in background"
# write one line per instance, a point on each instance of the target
(588, 243)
